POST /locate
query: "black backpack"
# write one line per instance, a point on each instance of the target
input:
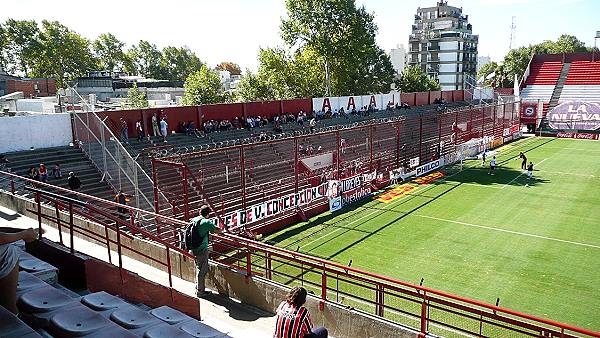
(192, 237)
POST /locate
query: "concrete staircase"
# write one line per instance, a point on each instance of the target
(559, 86)
(69, 159)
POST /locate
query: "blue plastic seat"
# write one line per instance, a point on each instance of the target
(38, 306)
(201, 330)
(103, 302)
(28, 282)
(165, 330)
(77, 321)
(112, 331)
(133, 318)
(170, 315)
(13, 327)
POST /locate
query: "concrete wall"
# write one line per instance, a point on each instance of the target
(36, 130)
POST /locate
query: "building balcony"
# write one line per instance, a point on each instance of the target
(433, 59)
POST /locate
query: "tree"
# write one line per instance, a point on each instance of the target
(486, 70)
(343, 36)
(62, 54)
(3, 48)
(252, 88)
(203, 87)
(413, 79)
(136, 98)
(145, 60)
(232, 68)
(109, 52)
(21, 44)
(178, 63)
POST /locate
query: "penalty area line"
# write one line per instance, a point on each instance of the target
(510, 231)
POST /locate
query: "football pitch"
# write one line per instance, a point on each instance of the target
(533, 243)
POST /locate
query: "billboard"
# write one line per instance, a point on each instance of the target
(575, 115)
(379, 101)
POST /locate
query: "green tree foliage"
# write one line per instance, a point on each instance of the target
(178, 63)
(251, 88)
(342, 35)
(232, 68)
(21, 44)
(136, 98)
(145, 60)
(413, 79)
(516, 61)
(3, 48)
(203, 87)
(62, 54)
(486, 70)
(283, 75)
(109, 52)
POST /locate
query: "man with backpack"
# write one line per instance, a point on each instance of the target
(196, 240)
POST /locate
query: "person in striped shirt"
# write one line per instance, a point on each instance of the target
(294, 320)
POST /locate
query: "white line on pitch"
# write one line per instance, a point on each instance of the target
(508, 231)
(568, 174)
(521, 174)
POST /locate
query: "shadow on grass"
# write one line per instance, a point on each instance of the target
(502, 176)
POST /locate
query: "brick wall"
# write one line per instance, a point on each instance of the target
(45, 87)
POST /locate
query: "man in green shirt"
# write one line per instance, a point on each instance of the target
(204, 226)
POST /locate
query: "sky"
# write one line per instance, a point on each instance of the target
(235, 30)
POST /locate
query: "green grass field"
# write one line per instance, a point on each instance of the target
(535, 243)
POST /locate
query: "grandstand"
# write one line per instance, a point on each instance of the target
(551, 79)
(138, 265)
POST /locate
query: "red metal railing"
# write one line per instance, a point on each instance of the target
(425, 309)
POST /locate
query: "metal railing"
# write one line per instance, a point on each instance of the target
(424, 309)
(119, 169)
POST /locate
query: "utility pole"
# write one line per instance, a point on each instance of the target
(513, 30)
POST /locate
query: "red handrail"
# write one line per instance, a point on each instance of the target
(358, 275)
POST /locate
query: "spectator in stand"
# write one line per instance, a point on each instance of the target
(320, 115)
(122, 198)
(346, 113)
(33, 174)
(300, 119)
(9, 264)
(43, 171)
(203, 225)
(404, 105)
(319, 149)
(56, 173)
(73, 181)
(301, 149)
(155, 129)
(354, 112)
(293, 319)
(3, 161)
(124, 131)
(249, 122)
(236, 123)
(390, 106)
(140, 130)
(312, 124)
(164, 129)
(277, 127)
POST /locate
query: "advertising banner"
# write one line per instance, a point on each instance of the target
(528, 112)
(378, 101)
(427, 167)
(580, 136)
(319, 161)
(275, 206)
(575, 115)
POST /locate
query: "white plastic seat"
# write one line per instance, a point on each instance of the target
(112, 331)
(42, 300)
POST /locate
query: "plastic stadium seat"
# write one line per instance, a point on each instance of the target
(102, 301)
(134, 319)
(166, 331)
(38, 267)
(28, 282)
(44, 300)
(113, 331)
(77, 321)
(201, 330)
(13, 327)
(170, 315)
